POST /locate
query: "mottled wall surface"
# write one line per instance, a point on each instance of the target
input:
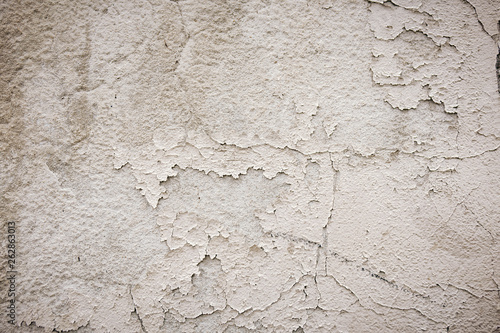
(250, 166)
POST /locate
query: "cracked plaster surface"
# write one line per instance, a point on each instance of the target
(252, 166)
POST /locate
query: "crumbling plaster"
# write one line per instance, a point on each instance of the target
(252, 166)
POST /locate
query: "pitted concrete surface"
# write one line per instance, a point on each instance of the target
(251, 166)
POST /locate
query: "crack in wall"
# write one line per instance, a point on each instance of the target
(136, 312)
(258, 134)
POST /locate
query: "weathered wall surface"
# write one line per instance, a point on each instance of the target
(251, 166)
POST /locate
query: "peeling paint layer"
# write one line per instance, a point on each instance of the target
(251, 166)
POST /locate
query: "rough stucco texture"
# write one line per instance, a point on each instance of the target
(251, 166)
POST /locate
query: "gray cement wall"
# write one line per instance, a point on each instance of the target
(250, 166)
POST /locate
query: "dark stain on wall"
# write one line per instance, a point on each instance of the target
(498, 59)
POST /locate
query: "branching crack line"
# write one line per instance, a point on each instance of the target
(495, 38)
(407, 309)
(465, 290)
(324, 247)
(182, 81)
(453, 157)
(186, 32)
(479, 223)
(136, 311)
(496, 283)
(478, 20)
(346, 288)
